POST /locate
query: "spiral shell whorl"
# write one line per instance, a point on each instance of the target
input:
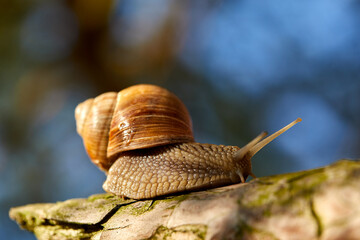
(81, 113)
(93, 119)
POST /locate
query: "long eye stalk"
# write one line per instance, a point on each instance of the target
(250, 149)
(270, 138)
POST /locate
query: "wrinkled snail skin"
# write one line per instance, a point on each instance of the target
(175, 168)
(142, 138)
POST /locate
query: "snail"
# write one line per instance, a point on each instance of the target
(142, 138)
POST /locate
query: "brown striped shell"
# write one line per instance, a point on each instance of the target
(141, 116)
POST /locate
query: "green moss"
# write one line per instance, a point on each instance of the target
(283, 188)
(317, 219)
(144, 206)
(245, 231)
(178, 198)
(99, 205)
(28, 221)
(192, 231)
(29, 216)
(107, 196)
(59, 232)
(262, 198)
(138, 208)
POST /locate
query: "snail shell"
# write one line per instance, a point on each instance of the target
(141, 116)
(142, 138)
(147, 116)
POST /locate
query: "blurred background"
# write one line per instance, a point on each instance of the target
(240, 66)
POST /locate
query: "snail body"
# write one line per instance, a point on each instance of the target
(142, 138)
(174, 168)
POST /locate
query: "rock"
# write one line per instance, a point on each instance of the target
(315, 204)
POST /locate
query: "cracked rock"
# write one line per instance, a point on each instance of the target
(315, 204)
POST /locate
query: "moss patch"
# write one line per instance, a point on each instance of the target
(194, 231)
(28, 216)
(283, 188)
(138, 208)
(58, 232)
(144, 206)
(245, 231)
(107, 196)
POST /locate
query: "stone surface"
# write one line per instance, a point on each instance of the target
(315, 204)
